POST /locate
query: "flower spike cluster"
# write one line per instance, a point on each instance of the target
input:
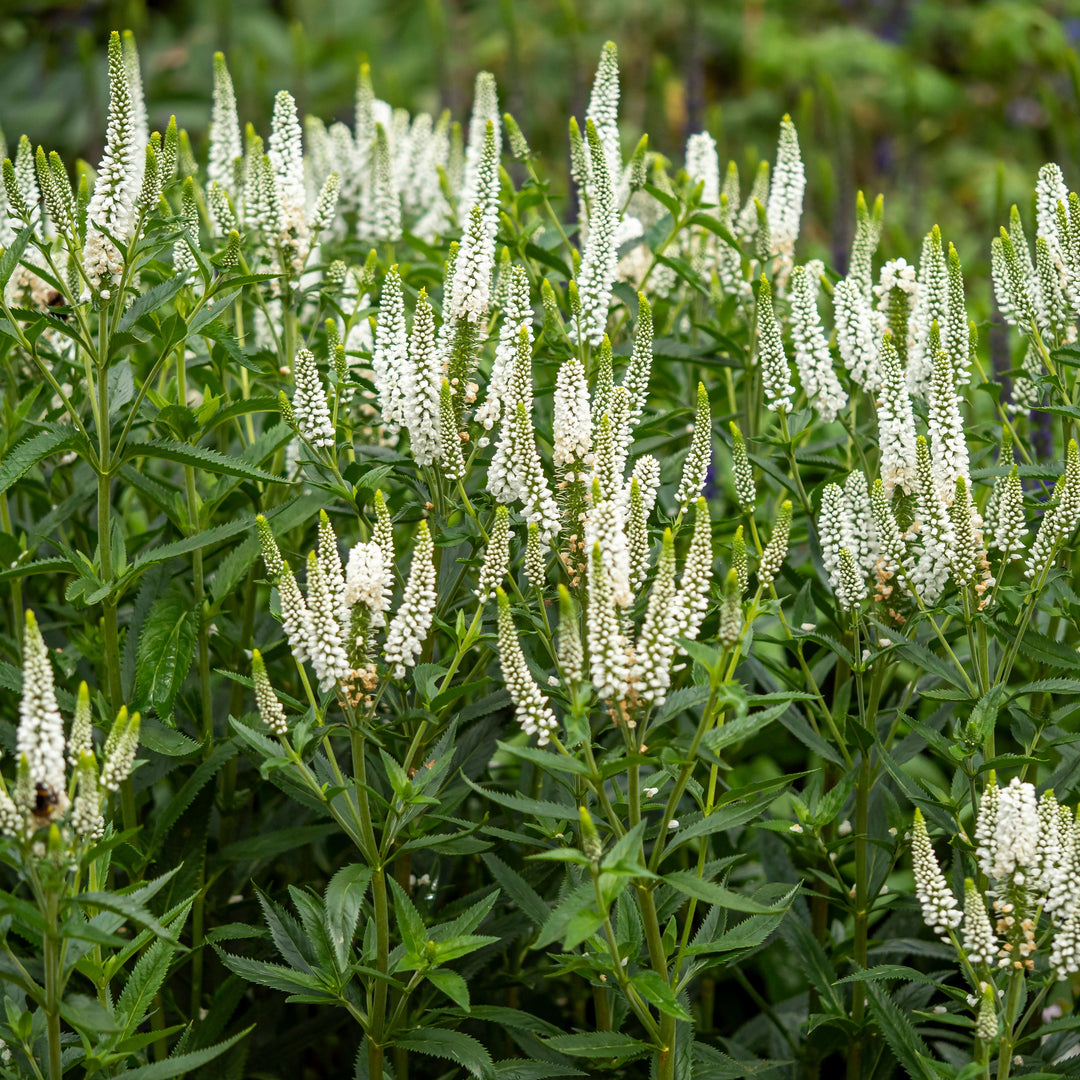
(41, 793)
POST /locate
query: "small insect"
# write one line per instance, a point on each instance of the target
(45, 801)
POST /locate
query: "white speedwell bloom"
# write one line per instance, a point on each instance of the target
(411, 623)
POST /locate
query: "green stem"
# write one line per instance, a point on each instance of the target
(52, 986)
(1008, 1039)
(377, 1009)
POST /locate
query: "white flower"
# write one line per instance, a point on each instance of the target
(638, 370)
(571, 426)
(692, 601)
(980, 945)
(496, 557)
(775, 372)
(599, 261)
(295, 618)
(896, 421)
(286, 153)
(703, 166)
(1007, 830)
(1050, 189)
(948, 446)
(309, 402)
(226, 145)
(784, 208)
(326, 646)
(119, 179)
(383, 224)
(772, 558)
(603, 111)
(368, 580)
(813, 361)
(390, 357)
(655, 648)
(855, 336)
(608, 660)
(470, 290)
(411, 623)
(485, 110)
(120, 749)
(1059, 521)
(606, 527)
(517, 313)
(699, 457)
(931, 306)
(531, 705)
(939, 907)
(270, 711)
(423, 384)
(928, 569)
(40, 735)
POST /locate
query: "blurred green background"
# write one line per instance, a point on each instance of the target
(947, 107)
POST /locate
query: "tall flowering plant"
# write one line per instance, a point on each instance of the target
(542, 630)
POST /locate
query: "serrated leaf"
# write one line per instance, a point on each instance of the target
(142, 984)
(689, 884)
(344, 895)
(451, 984)
(166, 651)
(518, 889)
(904, 1041)
(180, 1064)
(452, 1046)
(536, 807)
(22, 457)
(202, 457)
(599, 1044)
(655, 990)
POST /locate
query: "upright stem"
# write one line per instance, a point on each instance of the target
(858, 991)
(110, 628)
(198, 583)
(1008, 1040)
(52, 987)
(377, 1013)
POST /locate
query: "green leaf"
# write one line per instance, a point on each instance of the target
(183, 1063)
(12, 254)
(669, 202)
(127, 906)
(410, 924)
(152, 300)
(166, 651)
(545, 759)
(518, 889)
(87, 1014)
(714, 226)
(344, 895)
(275, 976)
(451, 1045)
(535, 807)
(689, 884)
(891, 971)
(195, 542)
(599, 1044)
(165, 819)
(143, 983)
(267, 845)
(811, 958)
(201, 458)
(451, 984)
(655, 989)
(904, 1041)
(22, 458)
